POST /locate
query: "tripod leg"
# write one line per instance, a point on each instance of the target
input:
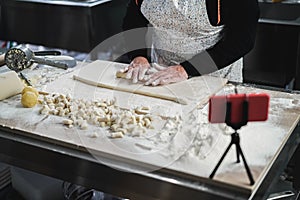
(220, 161)
(235, 138)
(237, 154)
(246, 165)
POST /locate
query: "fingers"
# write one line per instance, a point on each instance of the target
(123, 70)
(137, 72)
(151, 70)
(158, 67)
(129, 73)
(155, 78)
(173, 79)
(169, 75)
(142, 72)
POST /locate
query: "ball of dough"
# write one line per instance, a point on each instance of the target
(29, 99)
(30, 89)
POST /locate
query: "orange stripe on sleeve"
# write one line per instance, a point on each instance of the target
(219, 11)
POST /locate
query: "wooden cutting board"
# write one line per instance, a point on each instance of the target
(197, 89)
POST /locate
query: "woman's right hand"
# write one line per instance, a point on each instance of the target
(137, 69)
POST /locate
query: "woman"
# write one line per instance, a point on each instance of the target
(189, 37)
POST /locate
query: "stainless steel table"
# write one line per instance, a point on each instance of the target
(79, 167)
(75, 164)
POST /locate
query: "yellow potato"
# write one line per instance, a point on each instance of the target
(30, 89)
(29, 99)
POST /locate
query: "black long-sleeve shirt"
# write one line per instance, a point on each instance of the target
(239, 18)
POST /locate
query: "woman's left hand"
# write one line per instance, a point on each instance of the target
(171, 74)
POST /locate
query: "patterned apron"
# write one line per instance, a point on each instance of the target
(181, 29)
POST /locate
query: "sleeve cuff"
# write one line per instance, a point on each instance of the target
(200, 64)
(190, 69)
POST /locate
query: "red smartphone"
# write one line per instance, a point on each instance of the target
(258, 107)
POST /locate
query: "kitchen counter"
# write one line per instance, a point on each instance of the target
(275, 57)
(42, 144)
(285, 12)
(87, 3)
(71, 25)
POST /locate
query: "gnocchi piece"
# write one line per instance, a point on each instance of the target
(67, 122)
(103, 105)
(118, 134)
(93, 135)
(147, 122)
(123, 130)
(143, 110)
(54, 112)
(61, 113)
(114, 127)
(84, 125)
(120, 74)
(45, 110)
(102, 124)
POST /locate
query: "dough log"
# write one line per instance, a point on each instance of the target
(124, 89)
(10, 84)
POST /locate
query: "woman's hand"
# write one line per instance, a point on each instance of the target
(171, 74)
(137, 69)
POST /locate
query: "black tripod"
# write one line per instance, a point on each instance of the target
(235, 139)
